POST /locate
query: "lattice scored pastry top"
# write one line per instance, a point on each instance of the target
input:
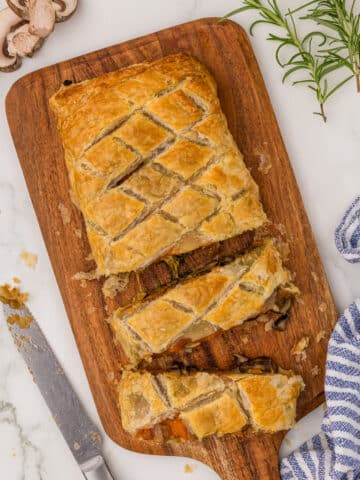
(152, 164)
(224, 298)
(201, 404)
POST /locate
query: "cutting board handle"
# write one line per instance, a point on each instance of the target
(255, 458)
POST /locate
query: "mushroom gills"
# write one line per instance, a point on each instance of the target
(64, 9)
(8, 21)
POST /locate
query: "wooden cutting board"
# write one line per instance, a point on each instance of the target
(226, 51)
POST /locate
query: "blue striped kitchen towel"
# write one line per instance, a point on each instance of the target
(334, 454)
(347, 234)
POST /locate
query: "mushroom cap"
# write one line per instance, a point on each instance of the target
(20, 7)
(21, 42)
(8, 21)
(42, 17)
(63, 8)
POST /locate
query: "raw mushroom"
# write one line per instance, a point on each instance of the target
(20, 7)
(25, 24)
(63, 8)
(8, 20)
(21, 42)
(42, 17)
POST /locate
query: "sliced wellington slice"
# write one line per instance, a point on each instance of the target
(227, 296)
(180, 405)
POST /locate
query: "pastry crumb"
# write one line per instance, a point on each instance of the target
(264, 164)
(21, 322)
(323, 307)
(320, 336)
(315, 277)
(188, 468)
(288, 442)
(84, 277)
(76, 446)
(114, 284)
(78, 233)
(315, 371)
(30, 259)
(12, 296)
(65, 213)
(16, 280)
(95, 437)
(281, 228)
(269, 325)
(262, 318)
(283, 248)
(299, 348)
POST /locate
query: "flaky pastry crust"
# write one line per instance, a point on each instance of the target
(152, 164)
(209, 403)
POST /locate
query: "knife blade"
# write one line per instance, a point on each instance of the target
(80, 433)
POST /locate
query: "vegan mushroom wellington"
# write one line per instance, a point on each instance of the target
(156, 172)
(197, 405)
(153, 166)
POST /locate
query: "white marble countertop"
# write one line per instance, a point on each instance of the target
(327, 166)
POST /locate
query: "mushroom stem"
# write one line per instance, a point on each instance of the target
(42, 17)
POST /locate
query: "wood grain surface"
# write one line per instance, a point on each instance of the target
(225, 49)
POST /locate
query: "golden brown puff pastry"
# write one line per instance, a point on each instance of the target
(152, 164)
(208, 403)
(221, 299)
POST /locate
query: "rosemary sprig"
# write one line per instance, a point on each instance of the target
(303, 58)
(344, 22)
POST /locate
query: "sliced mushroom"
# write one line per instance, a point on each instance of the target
(258, 365)
(21, 42)
(20, 7)
(42, 17)
(8, 21)
(63, 8)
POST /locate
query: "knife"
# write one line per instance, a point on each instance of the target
(81, 435)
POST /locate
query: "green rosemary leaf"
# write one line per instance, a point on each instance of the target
(290, 71)
(234, 12)
(302, 57)
(317, 54)
(345, 23)
(339, 85)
